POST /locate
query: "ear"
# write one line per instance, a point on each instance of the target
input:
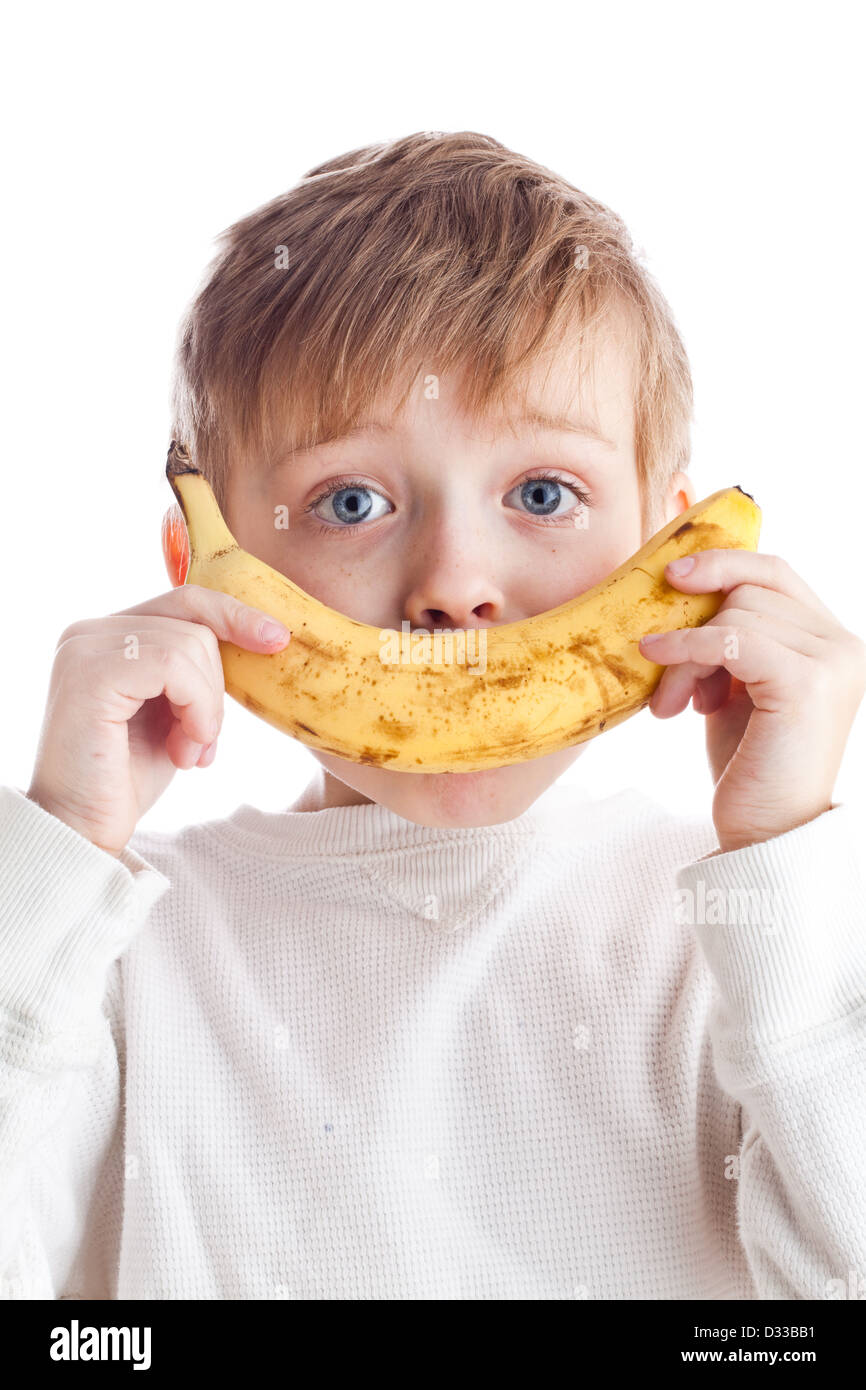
(680, 496)
(175, 545)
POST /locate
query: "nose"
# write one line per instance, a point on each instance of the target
(453, 615)
(453, 586)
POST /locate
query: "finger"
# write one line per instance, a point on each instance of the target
(199, 641)
(223, 618)
(770, 603)
(762, 662)
(715, 571)
(732, 620)
(191, 637)
(118, 688)
(184, 752)
(227, 617)
(677, 686)
(207, 755)
(712, 691)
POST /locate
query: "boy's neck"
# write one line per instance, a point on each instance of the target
(324, 792)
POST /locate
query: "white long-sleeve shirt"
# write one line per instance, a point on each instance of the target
(337, 1055)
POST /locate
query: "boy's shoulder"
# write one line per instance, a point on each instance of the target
(196, 840)
(627, 814)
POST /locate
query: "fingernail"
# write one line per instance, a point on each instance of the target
(683, 565)
(274, 632)
(651, 637)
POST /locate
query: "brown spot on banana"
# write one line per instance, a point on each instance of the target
(395, 728)
(623, 673)
(376, 756)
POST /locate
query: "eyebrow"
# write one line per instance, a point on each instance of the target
(535, 420)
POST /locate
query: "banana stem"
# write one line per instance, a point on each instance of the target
(179, 460)
(205, 524)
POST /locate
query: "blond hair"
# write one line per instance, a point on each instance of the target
(440, 246)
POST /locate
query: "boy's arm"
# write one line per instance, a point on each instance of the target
(67, 912)
(788, 1033)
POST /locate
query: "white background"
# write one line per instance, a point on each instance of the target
(730, 138)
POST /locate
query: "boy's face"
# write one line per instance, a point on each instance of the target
(449, 537)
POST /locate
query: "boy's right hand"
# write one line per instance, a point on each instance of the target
(134, 696)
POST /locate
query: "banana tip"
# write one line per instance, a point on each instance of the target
(178, 460)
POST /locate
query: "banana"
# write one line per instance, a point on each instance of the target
(393, 699)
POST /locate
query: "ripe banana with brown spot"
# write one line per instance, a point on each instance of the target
(393, 699)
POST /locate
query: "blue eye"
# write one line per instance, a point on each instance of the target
(542, 495)
(350, 502)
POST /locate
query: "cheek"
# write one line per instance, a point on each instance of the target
(602, 549)
(368, 594)
(620, 534)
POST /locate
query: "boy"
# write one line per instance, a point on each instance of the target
(437, 1036)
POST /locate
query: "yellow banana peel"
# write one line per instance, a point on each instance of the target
(484, 697)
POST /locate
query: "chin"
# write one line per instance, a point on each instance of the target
(455, 799)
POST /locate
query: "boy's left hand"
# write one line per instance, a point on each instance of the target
(780, 681)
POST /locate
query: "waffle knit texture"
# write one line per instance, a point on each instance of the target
(337, 1055)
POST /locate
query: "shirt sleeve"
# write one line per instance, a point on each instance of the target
(67, 912)
(782, 925)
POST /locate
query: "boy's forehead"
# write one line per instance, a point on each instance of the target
(583, 384)
(585, 390)
(582, 389)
